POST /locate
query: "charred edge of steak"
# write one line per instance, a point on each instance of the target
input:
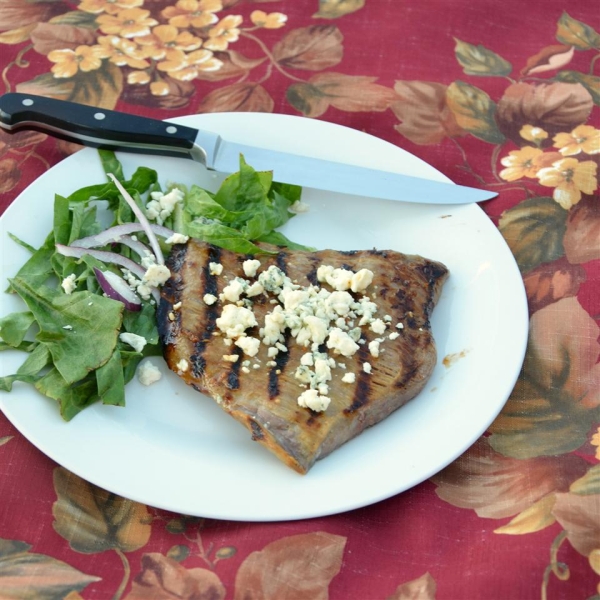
(433, 272)
(171, 294)
(281, 261)
(312, 274)
(233, 377)
(198, 363)
(362, 389)
(256, 430)
(281, 361)
(375, 252)
(409, 367)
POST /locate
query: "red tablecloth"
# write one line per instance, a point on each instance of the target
(501, 95)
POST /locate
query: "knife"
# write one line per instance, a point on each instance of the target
(113, 130)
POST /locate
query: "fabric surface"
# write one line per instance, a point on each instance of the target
(498, 95)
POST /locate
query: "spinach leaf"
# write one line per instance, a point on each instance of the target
(20, 242)
(38, 267)
(80, 330)
(13, 327)
(109, 378)
(201, 203)
(29, 371)
(142, 323)
(223, 236)
(23, 346)
(111, 164)
(72, 399)
(278, 239)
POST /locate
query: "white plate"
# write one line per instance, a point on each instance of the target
(170, 449)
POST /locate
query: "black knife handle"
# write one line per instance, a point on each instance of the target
(97, 127)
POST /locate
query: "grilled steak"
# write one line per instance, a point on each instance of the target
(262, 391)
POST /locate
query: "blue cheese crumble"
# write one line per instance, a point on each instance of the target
(161, 206)
(327, 321)
(137, 342)
(68, 284)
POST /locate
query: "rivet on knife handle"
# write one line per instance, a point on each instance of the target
(101, 128)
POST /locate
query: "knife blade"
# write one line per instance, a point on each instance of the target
(113, 130)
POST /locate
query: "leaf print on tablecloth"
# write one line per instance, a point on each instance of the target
(235, 64)
(294, 567)
(548, 59)
(590, 82)
(588, 484)
(583, 232)
(576, 33)
(422, 588)
(424, 113)
(556, 398)
(26, 575)
(78, 18)
(163, 578)
(553, 107)
(345, 92)
(536, 517)
(579, 515)
(100, 88)
(9, 174)
(238, 97)
(479, 60)
(18, 35)
(178, 553)
(178, 94)
(474, 111)
(551, 282)
(498, 486)
(333, 9)
(594, 559)
(50, 36)
(534, 231)
(94, 520)
(313, 48)
(14, 13)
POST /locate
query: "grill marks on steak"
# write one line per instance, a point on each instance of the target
(265, 399)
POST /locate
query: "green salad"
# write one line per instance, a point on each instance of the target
(91, 289)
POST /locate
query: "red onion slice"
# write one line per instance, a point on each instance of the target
(142, 219)
(114, 235)
(103, 256)
(116, 287)
(140, 249)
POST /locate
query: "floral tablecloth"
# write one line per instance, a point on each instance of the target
(502, 95)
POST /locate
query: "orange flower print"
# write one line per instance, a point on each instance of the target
(595, 441)
(584, 138)
(111, 7)
(526, 162)
(128, 23)
(268, 21)
(122, 52)
(533, 134)
(159, 88)
(164, 37)
(138, 78)
(223, 33)
(569, 178)
(192, 13)
(185, 67)
(68, 63)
